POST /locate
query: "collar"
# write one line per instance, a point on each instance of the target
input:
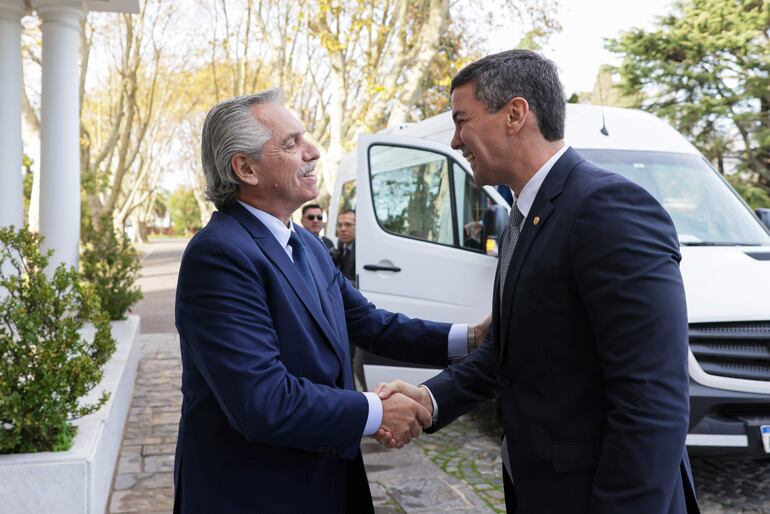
(527, 196)
(280, 232)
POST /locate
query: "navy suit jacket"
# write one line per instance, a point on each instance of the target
(270, 418)
(589, 352)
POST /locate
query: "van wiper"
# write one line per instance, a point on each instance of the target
(716, 243)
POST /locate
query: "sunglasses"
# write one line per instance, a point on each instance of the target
(314, 217)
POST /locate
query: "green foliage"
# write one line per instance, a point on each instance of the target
(185, 213)
(755, 196)
(706, 68)
(47, 364)
(110, 264)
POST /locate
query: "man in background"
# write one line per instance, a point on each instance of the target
(313, 220)
(346, 263)
(346, 244)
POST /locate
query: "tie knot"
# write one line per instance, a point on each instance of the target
(295, 242)
(515, 217)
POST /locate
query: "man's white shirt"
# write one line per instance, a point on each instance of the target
(457, 342)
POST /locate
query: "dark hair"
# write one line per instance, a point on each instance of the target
(346, 211)
(310, 206)
(519, 73)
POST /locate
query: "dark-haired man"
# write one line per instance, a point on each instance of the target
(346, 244)
(313, 220)
(589, 330)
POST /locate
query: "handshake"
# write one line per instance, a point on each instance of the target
(406, 411)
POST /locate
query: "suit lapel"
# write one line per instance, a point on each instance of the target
(281, 260)
(541, 210)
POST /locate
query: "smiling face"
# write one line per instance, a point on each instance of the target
(313, 220)
(480, 135)
(284, 176)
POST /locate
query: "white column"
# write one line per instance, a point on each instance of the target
(60, 129)
(11, 197)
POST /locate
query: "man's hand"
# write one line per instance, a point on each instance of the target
(402, 419)
(420, 395)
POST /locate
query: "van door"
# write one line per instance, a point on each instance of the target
(418, 238)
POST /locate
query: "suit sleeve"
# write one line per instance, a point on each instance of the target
(391, 334)
(468, 383)
(226, 326)
(625, 260)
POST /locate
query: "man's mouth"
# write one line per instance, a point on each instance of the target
(307, 170)
(469, 156)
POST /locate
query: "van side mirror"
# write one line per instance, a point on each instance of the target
(494, 221)
(764, 216)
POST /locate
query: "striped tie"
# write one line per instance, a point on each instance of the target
(509, 239)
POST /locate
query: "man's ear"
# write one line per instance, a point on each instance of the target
(517, 111)
(244, 169)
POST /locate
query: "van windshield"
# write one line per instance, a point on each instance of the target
(705, 209)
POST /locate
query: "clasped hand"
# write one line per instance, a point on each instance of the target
(406, 411)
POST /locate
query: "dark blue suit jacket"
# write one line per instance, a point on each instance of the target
(270, 419)
(589, 352)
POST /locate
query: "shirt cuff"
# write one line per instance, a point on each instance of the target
(458, 341)
(435, 405)
(374, 418)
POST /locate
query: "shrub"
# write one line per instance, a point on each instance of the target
(46, 363)
(110, 264)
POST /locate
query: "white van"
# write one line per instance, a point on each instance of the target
(426, 246)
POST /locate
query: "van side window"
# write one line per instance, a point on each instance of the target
(411, 193)
(471, 202)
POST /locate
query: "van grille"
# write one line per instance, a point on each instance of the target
(735, 350)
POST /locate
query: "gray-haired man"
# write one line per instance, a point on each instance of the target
(270, 419)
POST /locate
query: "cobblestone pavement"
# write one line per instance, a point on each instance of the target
(469, 450)
(143, 480)
(732, 486)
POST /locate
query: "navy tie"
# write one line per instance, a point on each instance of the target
(299, 256)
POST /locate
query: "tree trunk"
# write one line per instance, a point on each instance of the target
(429, 38)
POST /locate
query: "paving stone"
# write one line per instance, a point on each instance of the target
(165, 418)
(129, 464)
(144, 481)
(164, 430)
(157, 463)
(142, 500)
(158, 449)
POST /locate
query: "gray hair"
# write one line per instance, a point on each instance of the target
(231, 128)
(519, 73)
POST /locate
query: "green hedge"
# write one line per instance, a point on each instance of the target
(110, 264)
(46, 364)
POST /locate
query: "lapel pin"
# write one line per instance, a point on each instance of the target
(536, 221)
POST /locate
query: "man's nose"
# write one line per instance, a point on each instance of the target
(456, 142)
(312, 153)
